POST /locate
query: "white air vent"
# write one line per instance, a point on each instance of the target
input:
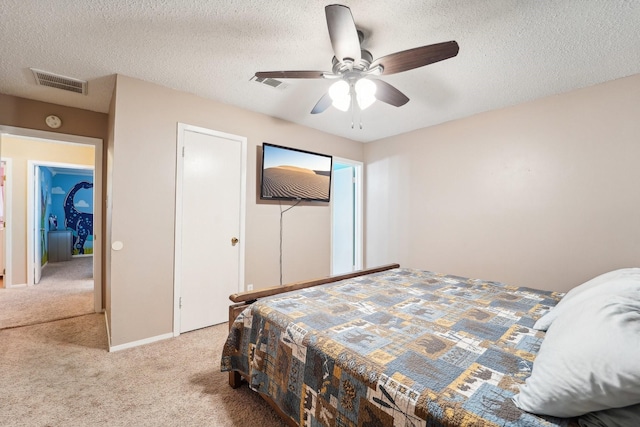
(45, 78)
(270, 82)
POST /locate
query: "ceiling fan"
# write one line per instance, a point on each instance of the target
(353, 66)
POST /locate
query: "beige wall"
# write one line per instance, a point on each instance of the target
(543, 194)
(142, 165)
(29, 114)
(20, 151)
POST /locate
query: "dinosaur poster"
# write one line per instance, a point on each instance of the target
(71, 208)
(80, 222)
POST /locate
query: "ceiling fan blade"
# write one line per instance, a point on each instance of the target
(322, 104)
(389, 94)
(290, 74)
(342, 32)
(416, 57)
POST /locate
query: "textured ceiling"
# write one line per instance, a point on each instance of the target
(510, 52)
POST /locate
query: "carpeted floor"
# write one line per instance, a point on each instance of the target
(65, 290)
(61, 374)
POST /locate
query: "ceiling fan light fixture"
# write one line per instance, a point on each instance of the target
(365, 93)
(339, 93)
(352, 65)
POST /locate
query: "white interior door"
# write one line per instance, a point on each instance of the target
(343, 220)
(346, 216)
(209, 225)
(2, 263)
(2, 218)
(6, 211)
(38, 225)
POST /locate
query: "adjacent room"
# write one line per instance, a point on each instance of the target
(446, 193)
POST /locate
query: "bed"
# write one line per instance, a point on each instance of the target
(390, 347)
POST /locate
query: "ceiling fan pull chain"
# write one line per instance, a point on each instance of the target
(357, 111)
(353, 109)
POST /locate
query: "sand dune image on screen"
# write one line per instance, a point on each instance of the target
(291, 181)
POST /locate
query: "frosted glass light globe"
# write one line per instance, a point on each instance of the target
(339, 93)
(365, 93)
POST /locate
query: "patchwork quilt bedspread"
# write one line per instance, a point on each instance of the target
(403, 348)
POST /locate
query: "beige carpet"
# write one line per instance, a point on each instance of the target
(60, 374)
(65, 290)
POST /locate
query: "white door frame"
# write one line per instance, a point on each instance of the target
(7, 280)
(34, 259)
(177, 271)
(97, 198)
(358, 228)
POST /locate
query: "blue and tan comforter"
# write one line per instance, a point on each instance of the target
(399, 348)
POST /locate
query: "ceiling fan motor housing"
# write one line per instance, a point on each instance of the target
(341, 67)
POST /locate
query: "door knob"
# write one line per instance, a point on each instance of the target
(234, 241)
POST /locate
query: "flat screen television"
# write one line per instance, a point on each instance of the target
(293, 174)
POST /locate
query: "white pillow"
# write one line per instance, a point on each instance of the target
(607, 283)
(589, 359)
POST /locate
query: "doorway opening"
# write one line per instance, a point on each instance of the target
(26, 243)
(60, 211)
(346, 216)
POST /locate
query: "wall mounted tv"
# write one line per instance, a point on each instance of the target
(293, 174)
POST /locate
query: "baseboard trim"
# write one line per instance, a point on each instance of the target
(139, 342)
(19, 285)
